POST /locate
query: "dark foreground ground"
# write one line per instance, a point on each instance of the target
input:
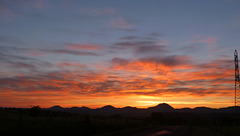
(29, 122)
(166, 131)
(180, 131)
(156, 131)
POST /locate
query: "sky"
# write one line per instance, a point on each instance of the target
(123, 53)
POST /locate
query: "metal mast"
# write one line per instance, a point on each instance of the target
(237, 93)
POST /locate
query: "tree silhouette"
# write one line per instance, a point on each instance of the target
(35, 111)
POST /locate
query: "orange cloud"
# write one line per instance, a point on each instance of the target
(166, 76)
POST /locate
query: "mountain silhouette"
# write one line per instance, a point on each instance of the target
(106, 110)
(84, 108)
(57, 108)
(163, 107)
(204, 110)
(134, 111)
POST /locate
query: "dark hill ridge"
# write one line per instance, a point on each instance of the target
(56, 108)
(133, 111)
(163, 107)
(107, 107)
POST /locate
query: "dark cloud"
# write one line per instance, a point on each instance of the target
(134, 43)
(60, 81)
(48, 88)
(70, 52)
(151, 49)
(151, 37)
(17, 62)
(119, 61)
(7, 48)
(23, 65)
(55, 51)
(154, 34)
(189, 82)
(220, 64)
(174, 60)
(225, 64)
(222, 80)
(107, 87)
(29, 83)
(129, 38)
(10, 81)
(180, 90)
(141, 47)
(192, 91)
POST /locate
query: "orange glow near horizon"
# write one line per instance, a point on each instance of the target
(118, 102)
(138, 83)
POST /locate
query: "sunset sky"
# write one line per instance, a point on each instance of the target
(118, 52)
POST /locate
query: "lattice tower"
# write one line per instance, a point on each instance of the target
(237, 91)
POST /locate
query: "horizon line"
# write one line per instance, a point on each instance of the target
(145, 107)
